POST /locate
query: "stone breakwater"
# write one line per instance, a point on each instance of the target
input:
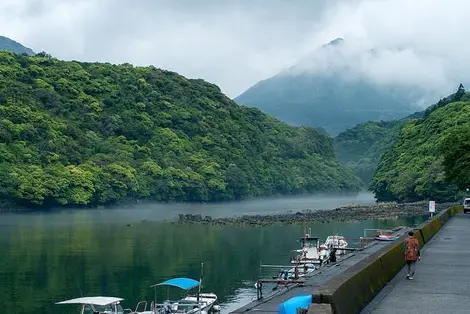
(344, 214)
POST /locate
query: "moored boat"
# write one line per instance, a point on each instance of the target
(311, 252)
(338, 243)
(383, 234)
(101, 305)
(299, 271)
(386, 237)
(192, 303)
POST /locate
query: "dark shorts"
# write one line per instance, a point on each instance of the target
(410, 262)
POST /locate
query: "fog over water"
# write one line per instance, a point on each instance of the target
(161, 211)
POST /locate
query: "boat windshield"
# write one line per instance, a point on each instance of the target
(107, 309)
(187, 305)
(309, 242)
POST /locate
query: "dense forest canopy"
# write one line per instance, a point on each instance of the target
(430, 158)
(92, 133)
(456, 152)
(361, 147)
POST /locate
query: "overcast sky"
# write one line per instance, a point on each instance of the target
(235, 43)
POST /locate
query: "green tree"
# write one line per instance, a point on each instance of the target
(455, 149)
(460, 93)
(77, 133)
(427, 151)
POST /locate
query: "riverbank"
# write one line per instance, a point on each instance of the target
(348, 213)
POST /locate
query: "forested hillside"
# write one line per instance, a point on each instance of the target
(430, 159)
(360, 147)
(456, 152)
(90, 133)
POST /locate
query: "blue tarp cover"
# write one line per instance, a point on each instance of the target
(291, 305)
(182, 283)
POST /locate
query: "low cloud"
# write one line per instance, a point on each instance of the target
(235, 43)
(418, 44)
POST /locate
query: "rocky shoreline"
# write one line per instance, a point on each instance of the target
(342, 214)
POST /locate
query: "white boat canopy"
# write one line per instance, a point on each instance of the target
(102, 301)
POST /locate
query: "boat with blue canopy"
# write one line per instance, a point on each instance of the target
(193, 303)
(182, 283)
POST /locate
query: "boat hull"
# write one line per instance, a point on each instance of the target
(188, 305)
(207, 300)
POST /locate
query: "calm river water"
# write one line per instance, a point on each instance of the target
(53, 256)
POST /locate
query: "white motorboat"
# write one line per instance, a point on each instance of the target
(199, 303)
(311, 252)
(202, 303)
(191, 304)
(338, 243)
(97, 305)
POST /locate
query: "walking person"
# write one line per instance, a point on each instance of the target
(412, 254)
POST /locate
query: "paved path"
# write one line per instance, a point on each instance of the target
(442, 279)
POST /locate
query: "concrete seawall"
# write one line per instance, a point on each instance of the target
(352, 290)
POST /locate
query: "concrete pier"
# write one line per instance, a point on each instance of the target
(442, 280)
(373, 280)
(271, 300)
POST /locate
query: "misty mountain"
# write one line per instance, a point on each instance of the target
(13, 46)
(323, 90)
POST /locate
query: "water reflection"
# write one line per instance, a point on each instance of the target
(43, 261)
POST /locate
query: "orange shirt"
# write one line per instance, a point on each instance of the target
(411, 249)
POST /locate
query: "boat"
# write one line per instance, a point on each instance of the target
(386, 237)
(311, 252)
(383, 234)
(192, 303)
(296, 272)
(100, 305)
(338, 243)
